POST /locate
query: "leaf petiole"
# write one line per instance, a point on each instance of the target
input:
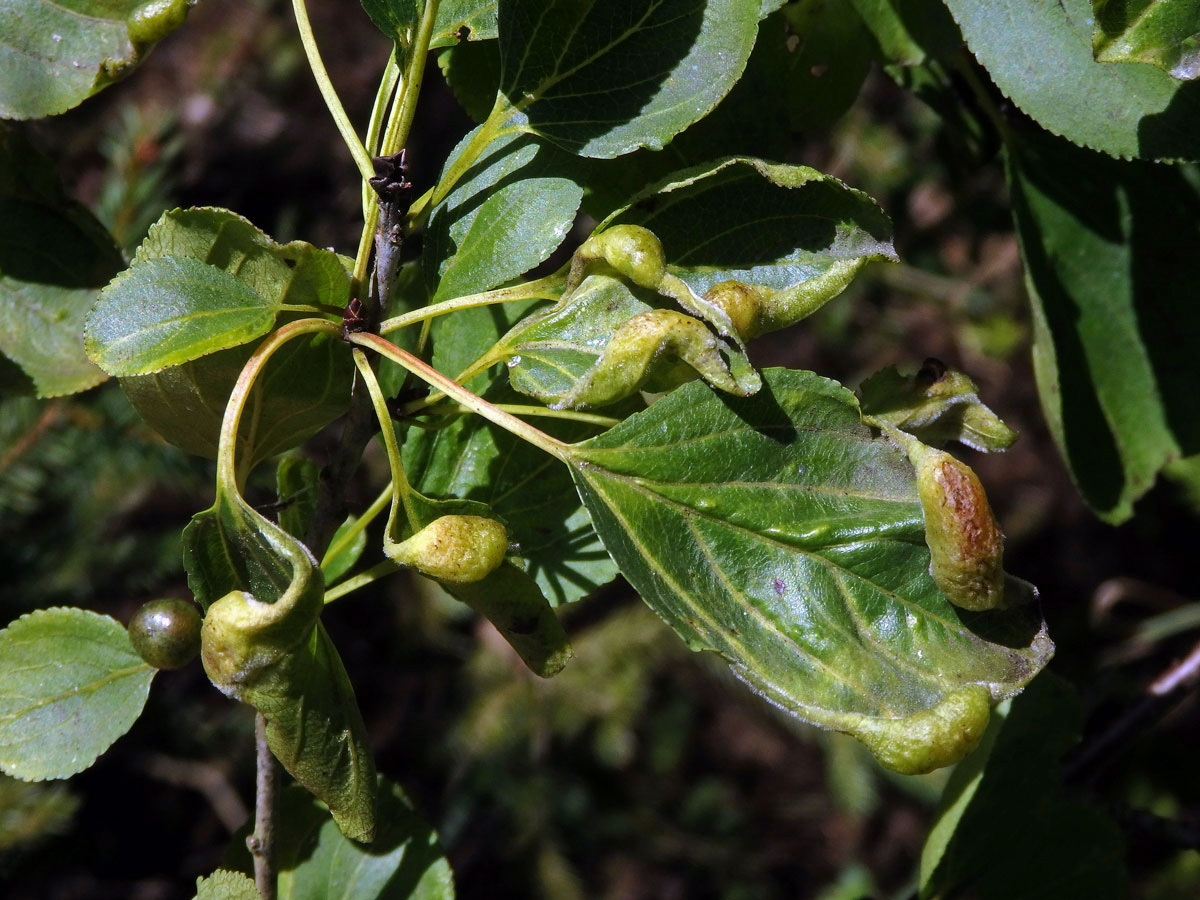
(457, 392)
(227, 472)
(547, 288)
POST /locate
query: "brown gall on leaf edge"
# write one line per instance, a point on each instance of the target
(966, 547)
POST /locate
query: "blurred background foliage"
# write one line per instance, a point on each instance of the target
(642, 771)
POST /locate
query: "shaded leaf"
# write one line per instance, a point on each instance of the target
(72, 684)
(1052, 844)
(795, 233)
(305, 386)
(1163, 33)
(532, 492)
(54, 258)
(1038, 52)
(604, 341)
(774, 531)
(909, 32)
(397, 19)
(507, 214)
(296, 479)
(658, 65)
(1111, 271)
(827, 54)
(53, 56)
(262, 643)
(472, 69)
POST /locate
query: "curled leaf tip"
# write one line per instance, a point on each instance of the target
(928, 740)
(938, 405)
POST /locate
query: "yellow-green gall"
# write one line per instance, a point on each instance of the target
(928, 740)
(154, 20)
(631, 250)
(455, 549)
(741, 302)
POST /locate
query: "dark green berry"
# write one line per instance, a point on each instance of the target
(166, 632)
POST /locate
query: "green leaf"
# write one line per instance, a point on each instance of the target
(909, 32)
(54, 258)
(226, 885)
(1111, 271)
(345, 549)
(262, 643)
(508, 597)
(1039, 53)
(306, 385)
(72, 684)
(937, 405)
(163, 312)
(605, 340)
(316, 861)
(657, 65)
(799, 234)
(776, 532)
(1007, 827)
(530, 491)
(1163, 33)
(507, 214)
(473, 19)
(202, 281)
(53, 56)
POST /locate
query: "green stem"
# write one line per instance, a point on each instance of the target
(398, 128)
(400, 487)
(362, 159)
(542, 289)
(379, 110)
(227, 472)
(457, 392)
(346, 538)
(489, 358)
(377, 571)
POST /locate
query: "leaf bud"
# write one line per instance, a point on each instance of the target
(166, 633)
(455, 549)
